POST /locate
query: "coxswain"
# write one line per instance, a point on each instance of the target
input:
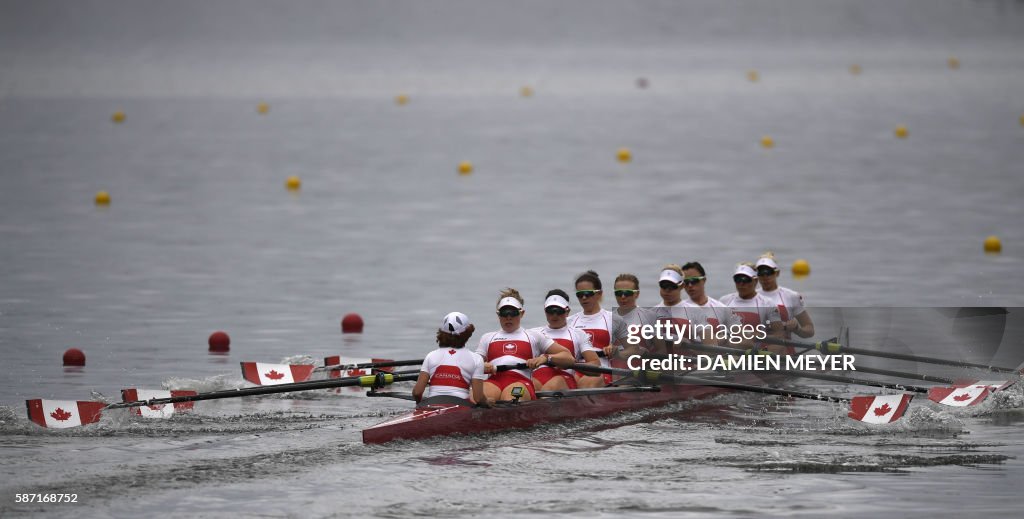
(451, 372)
(556, 310)
(512, 345)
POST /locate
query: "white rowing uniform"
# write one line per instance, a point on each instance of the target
(638, 316)
(598, 326)
(575, 340)
(712, 312)
(754, 311)
(789, 302)
(451, 371)
(501, 348)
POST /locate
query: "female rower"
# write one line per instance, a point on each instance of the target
(702, 309)
(594, 320)
(752, 308)
(795, 318)
(556, 310)
(670, 310)
(451, 372)
(512, 345)
(627, 291)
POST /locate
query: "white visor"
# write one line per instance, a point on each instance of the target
(556, 300)
(510, 301)
(670, 275)
(766, 262)
(746, 271)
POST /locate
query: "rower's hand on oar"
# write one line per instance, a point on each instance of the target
(489, 368)
(610, 351)
(537, 362)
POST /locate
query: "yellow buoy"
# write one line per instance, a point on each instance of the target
(465, 167)
(953, 63)
(102, 198)
(901, 132)
(293, 183)
(624, 155)
(767, 142)
(993, 245)
(753, 76)
(263, 108)
(855, 69)
(526, 91)
(117, 117)
(1022, 120)
(401, 99)
(801, 268)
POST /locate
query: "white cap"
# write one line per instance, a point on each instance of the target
(454, 323)
(766, 262)
(745, 270)
(670, 275)
(510, 301)
(556, 300)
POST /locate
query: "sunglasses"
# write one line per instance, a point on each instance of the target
(693, 281)
(740, 278)
(668, 285)
(586, 293)
(626, 293)
(765, 272)
(508, 312)
(556, 310)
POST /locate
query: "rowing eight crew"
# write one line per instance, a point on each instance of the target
(548, 352)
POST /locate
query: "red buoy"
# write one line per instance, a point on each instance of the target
(219, 342)
(74, 357)
(352, 323)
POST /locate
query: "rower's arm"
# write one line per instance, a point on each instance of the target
(805, 326)
(557, 355)
(477, 392)
(421, 386)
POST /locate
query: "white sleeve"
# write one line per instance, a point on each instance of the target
(541, 343)
(796, 303)
(478, 368)
(584, 341)
(481, 349)
(428, 364)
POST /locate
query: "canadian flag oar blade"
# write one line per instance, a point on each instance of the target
(62, 414)
(263, 374)
(879, 409)
(992, 385)
(160, 410)
(958, 396)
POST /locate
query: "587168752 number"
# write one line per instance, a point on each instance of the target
(45, 498)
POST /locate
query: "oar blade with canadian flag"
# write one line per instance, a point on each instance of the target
(63, 414)
(879, 409)
(265, 374)
(158, 410)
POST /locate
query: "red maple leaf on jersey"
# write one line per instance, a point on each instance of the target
(882, 411)
(274, 375)
(961, 398)
(451, 352)
(60, 414)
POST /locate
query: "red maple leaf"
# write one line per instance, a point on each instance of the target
(60, 414)
(274, 375)
(882, 411)
(451, 352)
(961, 398)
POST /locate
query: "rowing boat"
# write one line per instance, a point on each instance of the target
(445, 419)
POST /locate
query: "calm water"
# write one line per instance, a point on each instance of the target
(201, 236)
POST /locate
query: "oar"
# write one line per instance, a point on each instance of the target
(951, 396)
(267, 374)
(863, 369)
(71, 413)
(868, 409)
(833, 347)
